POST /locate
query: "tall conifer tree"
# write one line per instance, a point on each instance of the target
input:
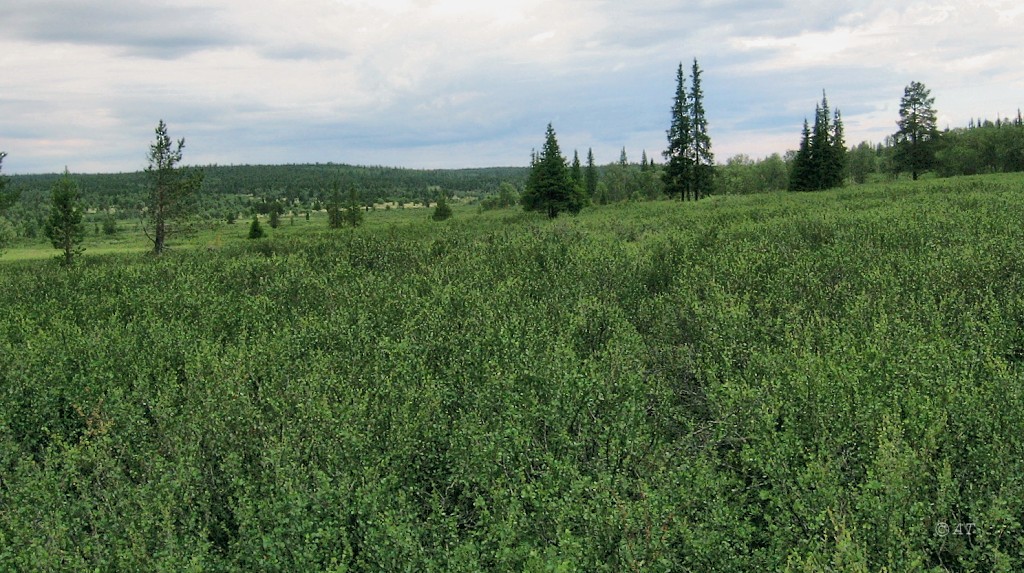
(678, 174)
(918, 132)
(838, 161)
(576, 173)
(703, 158)
(800, 176)
(591, 175)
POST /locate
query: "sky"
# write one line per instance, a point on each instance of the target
(459, 83)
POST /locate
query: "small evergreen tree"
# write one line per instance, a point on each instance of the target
(335, 217)
(64, 227)
(576, 171)
(354, 209)
(590, 176)
(255, 229)
(549, 187)
(441, 211)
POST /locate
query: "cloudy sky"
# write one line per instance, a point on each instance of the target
(461, 83)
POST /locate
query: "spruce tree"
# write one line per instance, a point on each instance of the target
(678, 174)
(442, 211)
(255, 229)
(837, 159)
(820, 163)
(549, 187)
(64, 227)
(576, 171)
(703, 158)
(579, 189)
(800, 175)
(591, 175)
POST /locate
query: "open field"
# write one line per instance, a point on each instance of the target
(804, 382)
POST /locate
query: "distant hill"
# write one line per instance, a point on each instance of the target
(304, 183)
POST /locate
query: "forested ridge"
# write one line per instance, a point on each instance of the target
(305, 183)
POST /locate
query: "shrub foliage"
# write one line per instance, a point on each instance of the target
(769, 383)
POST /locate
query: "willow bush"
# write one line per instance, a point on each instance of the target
(776, 382)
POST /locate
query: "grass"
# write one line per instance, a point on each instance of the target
(206, 235)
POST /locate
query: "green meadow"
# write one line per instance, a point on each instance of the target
(828, 381)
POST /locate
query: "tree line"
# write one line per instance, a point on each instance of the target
(555, 186)
(550, 184)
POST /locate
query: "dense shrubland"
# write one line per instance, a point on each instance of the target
(816, 382)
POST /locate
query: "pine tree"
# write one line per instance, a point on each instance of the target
(171, 186)
(591, 175)
(64, 227)
(678, 174)
(549, 187)
(918, 132)
(703, 158)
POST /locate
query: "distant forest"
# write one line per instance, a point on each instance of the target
(251, 188)
(983, 146)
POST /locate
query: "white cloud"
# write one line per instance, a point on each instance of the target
(401, 81)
